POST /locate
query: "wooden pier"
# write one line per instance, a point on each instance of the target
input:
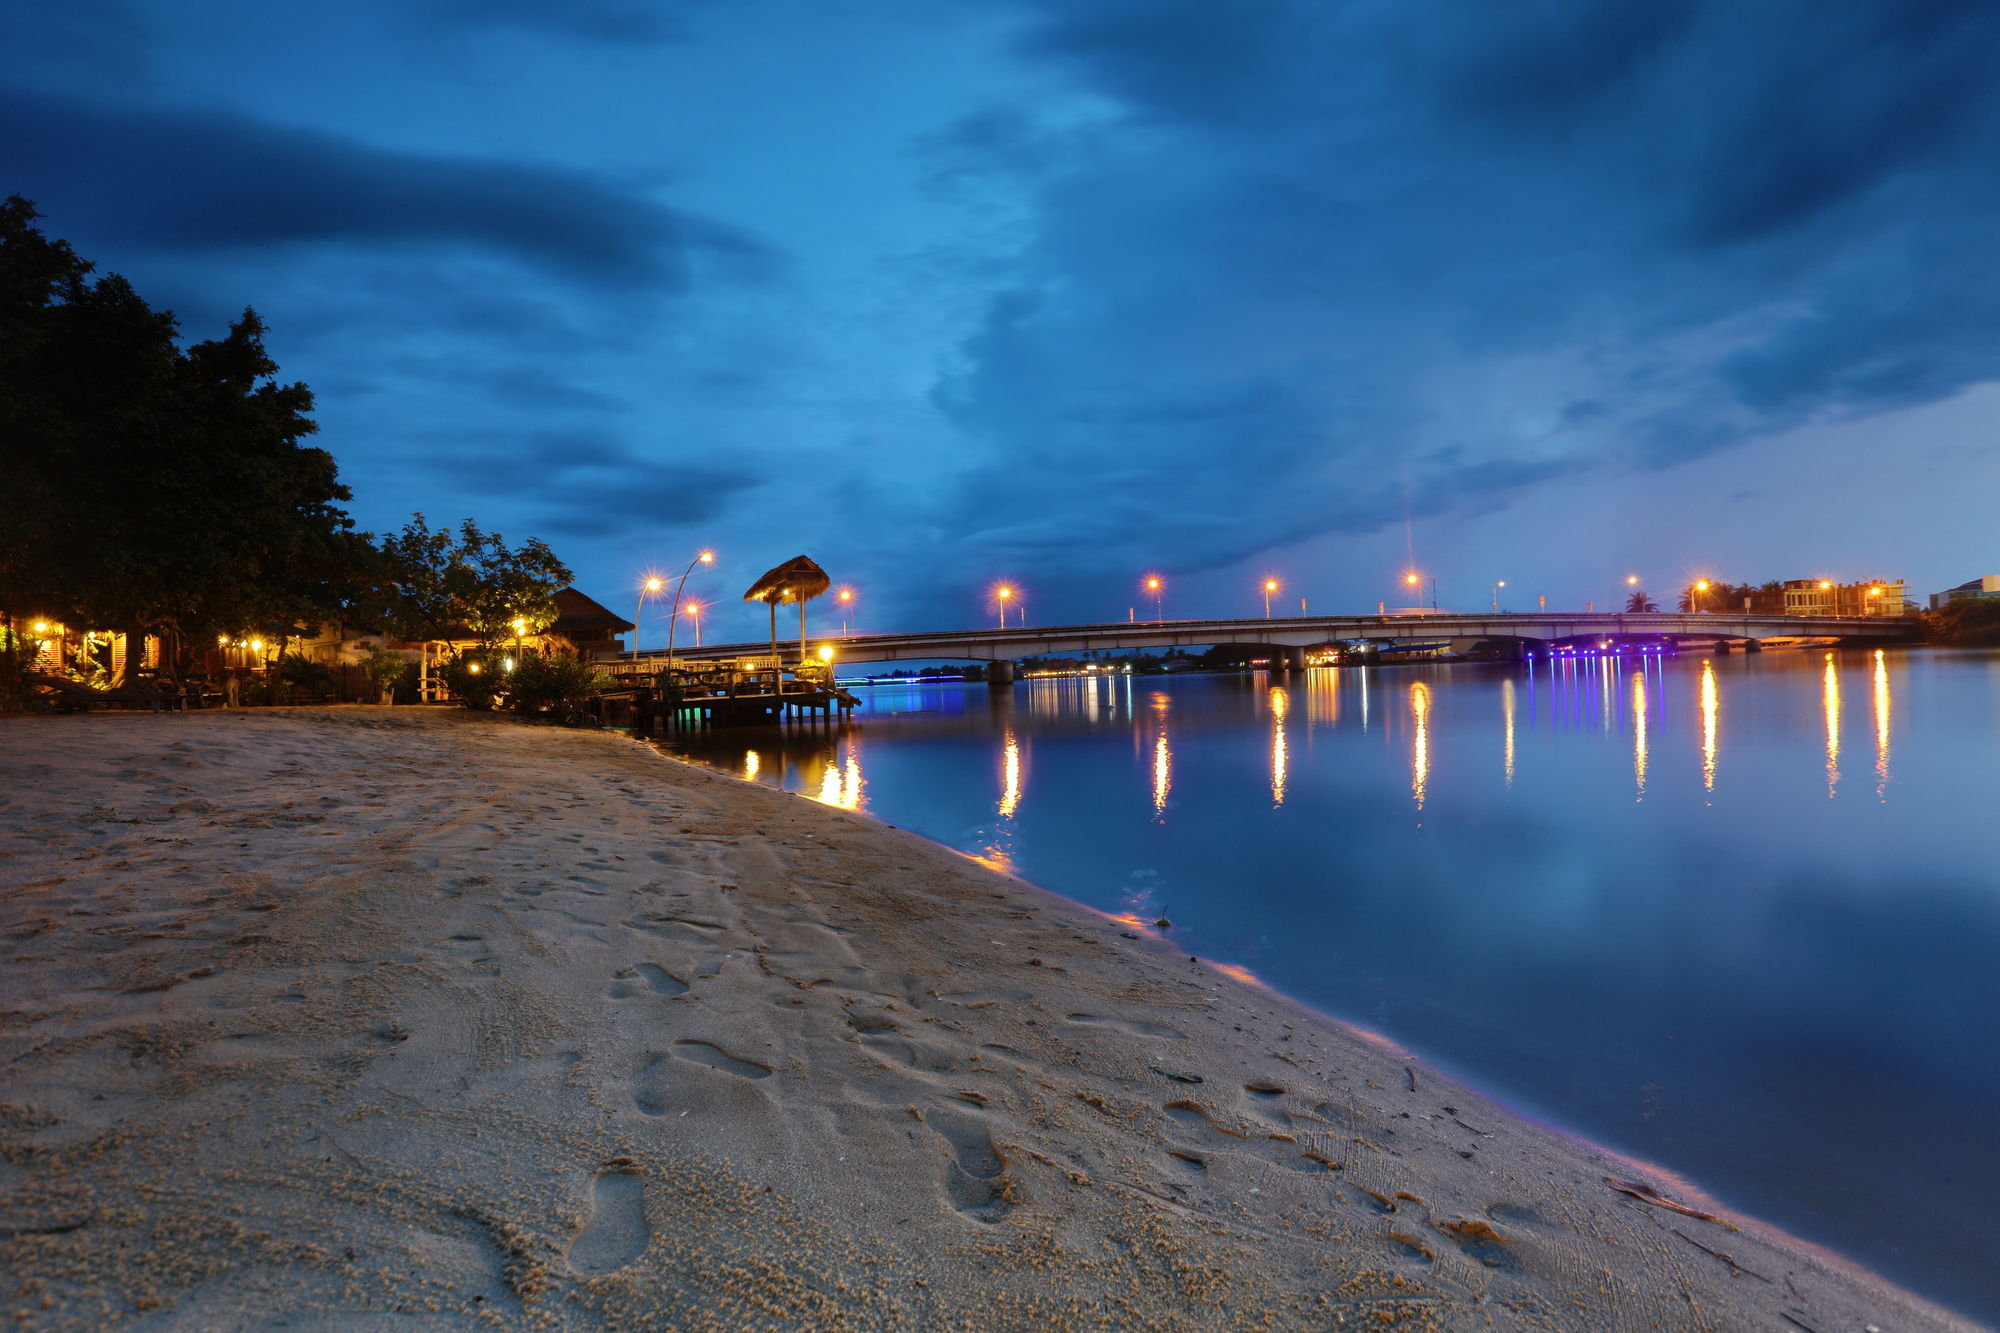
(733, 693)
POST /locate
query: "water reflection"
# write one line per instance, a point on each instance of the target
(1711, 718)
(1163, 756)
(1881, 693)
(1830, 705)
(1507, 722)
(1420, 741)
(1639, 712)
(1281, 703)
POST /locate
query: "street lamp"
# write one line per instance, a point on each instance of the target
(1154, 586)
(649, 587)
(846, 599)
(694, 614)
(1496, 595)
(1416, 580)
(1270, 586)
(673, 617)
(1700, 587)
(1004, 594)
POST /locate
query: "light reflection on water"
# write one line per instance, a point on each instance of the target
(1635, 896)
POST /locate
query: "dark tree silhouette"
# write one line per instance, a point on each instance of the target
(1638, 601)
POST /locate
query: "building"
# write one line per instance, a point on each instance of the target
(1971, 590)
(1824, 597)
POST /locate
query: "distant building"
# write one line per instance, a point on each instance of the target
(1824, 597)
(1970, 590)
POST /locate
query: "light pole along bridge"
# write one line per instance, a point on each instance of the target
(1290, 638)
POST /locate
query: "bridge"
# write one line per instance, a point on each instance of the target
(1290, 637)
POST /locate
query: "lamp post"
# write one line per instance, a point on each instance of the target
(1270, 586)
(673, 617)
(650, 587)
(694, 614)
(1496, 595)
(1004, 594)
(1416, 580)
(1155, 588)
(1700, 590)
(846, 599)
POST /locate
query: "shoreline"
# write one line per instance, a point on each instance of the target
(344, 1011)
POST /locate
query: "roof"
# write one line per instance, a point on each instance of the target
(574, 611)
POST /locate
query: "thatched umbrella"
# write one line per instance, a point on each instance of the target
(797, 580)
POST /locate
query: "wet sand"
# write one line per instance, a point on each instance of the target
(379, 1018)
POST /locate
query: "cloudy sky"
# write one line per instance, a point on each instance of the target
(1066, 291)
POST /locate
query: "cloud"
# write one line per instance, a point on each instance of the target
(190, 181)
(1321, 267)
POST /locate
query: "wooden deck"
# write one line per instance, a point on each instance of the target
(750, 692)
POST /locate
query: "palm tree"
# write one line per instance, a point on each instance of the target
(1638, 601)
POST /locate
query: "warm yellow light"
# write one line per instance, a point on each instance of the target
(1701, 586)
(222, 639)
(1501, 584)
(256, 645)
(825, 653)
(1270, 585)
(655, 583)
(41, 627)
(708, 557)
(1825, 583)
(520, 625)
(1874, 592)
(847, 594)
(1152, 585)
(1412, 579)
(1631, 580)
(473, 667)
(692, 608)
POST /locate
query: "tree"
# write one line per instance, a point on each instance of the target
(439, 582)
(1638, 601)
(152, 488)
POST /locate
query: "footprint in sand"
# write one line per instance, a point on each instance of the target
(976, 1180)
(616, 1233)
(657, 979)
(1130, 1026)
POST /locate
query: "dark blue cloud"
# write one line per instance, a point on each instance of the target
(156, 179)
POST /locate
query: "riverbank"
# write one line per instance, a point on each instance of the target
(345, 1013)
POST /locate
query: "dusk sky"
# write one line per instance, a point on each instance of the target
(1066, 291)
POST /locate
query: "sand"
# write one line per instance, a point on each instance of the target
(366, 1018)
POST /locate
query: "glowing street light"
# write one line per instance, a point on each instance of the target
(1416, 580)
(1700, 587)
(673, 617)
(649, 586)
(694, 613)
(1004, 594)
(1156, 589)
(1496, 595)
(845, 597)
(1631, 580)
(1270, 586)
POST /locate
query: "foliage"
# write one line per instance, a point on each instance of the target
(383, 667)
(473, 681)
(1638, 601)
(1969, 622)
(440, 582)
(556, 685)
(185, 467)
(300, 672)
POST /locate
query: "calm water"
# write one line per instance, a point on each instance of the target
(1740, 917)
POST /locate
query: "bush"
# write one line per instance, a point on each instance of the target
(473, 680)
(1970, 622)
(384, 669)
(555, 685)
(293, 672)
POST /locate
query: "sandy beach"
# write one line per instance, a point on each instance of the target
(366, 1018)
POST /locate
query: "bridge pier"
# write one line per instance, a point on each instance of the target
(1000, 673)
(1294, 659)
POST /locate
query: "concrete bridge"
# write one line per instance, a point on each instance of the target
(1290, 637)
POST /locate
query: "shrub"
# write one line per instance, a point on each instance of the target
(554, 685)
(473, 680)
(293, 672)
(384, 669)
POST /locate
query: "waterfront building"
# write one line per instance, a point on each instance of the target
(1824, 597)
(1971, 590)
